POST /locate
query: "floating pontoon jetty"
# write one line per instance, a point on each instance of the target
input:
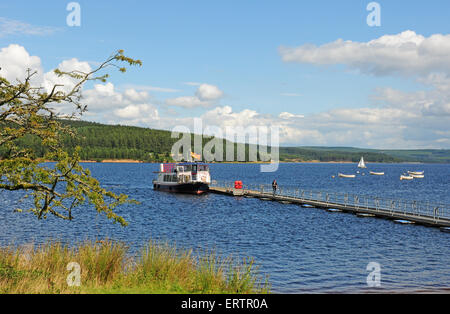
(418, 212)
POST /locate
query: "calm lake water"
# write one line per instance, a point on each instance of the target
(299, 249)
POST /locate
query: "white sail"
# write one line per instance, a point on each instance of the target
(361, 163)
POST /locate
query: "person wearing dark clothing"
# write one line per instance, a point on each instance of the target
(274, 186)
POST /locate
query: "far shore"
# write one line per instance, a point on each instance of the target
(128, 161)
(244, 162)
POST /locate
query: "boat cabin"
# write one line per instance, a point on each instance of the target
(184, 173)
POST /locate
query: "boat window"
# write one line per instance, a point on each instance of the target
(187, 168)
(203, 168)
(194, 168)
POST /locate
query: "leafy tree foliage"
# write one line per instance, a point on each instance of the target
(27, 116)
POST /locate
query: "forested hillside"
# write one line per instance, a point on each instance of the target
(100, 142)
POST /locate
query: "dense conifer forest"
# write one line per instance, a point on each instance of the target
(105, 142)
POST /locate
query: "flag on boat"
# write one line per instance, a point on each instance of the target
(195, 156)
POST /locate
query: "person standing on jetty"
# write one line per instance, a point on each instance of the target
(274, 186)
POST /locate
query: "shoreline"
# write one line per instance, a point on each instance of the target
(134, 161)
(127, 161)
(252, 162)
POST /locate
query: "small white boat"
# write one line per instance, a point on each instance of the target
(377, 173)
(418, 173)
(417, 176)
(362, 164)
(346, 175)
(406, 177)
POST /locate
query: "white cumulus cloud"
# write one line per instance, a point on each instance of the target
(205, 96)
(207, 92)
(406, 53)
(68, 83)
(398, 119)
(14, 62)
(137, 111)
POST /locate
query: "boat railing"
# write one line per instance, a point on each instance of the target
(370, 202)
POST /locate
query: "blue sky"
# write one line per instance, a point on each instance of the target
(235, 47)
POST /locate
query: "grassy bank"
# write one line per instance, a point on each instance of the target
(107, 267)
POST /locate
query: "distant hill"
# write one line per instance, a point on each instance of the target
(101, 141)
(421, 155)
(328, 154)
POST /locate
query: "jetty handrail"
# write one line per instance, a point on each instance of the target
(370, 202)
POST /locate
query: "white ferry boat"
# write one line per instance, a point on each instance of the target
(189, 177)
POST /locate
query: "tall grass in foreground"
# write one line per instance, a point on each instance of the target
(107, 267)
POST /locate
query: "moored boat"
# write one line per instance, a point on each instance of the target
(406, 177)
(346, 175)
(418, 173)
(377, 173)
(189, 177)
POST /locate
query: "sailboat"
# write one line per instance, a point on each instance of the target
(362, 164)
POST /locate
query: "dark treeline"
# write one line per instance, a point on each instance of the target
(100, 141)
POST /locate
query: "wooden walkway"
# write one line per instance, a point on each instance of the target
(406, 212)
